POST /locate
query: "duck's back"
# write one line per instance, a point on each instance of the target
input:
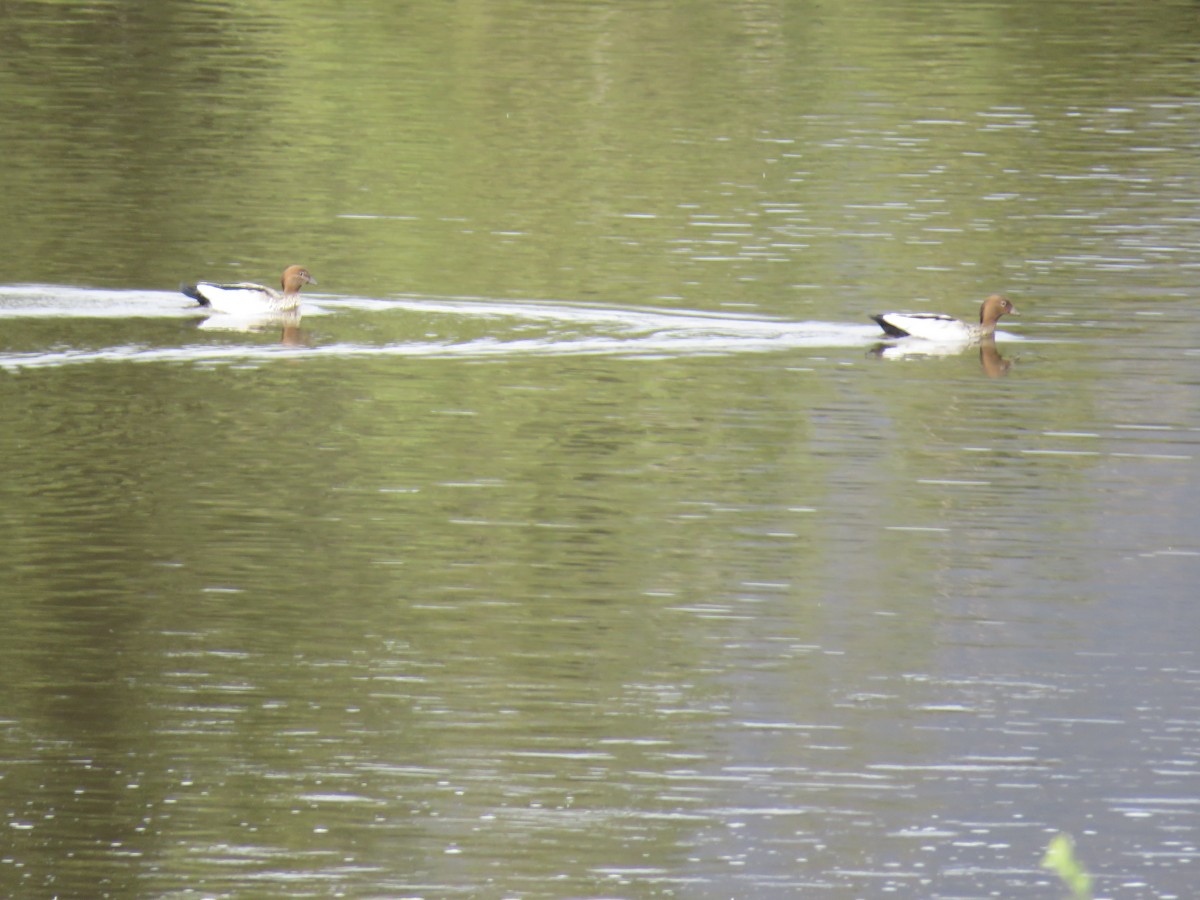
(242, 297)
(927, 326)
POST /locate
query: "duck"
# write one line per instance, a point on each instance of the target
(248, 299)
(946, 329)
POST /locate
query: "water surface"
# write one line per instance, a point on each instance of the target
(576, 543)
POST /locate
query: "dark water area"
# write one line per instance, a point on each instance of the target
(580, 539)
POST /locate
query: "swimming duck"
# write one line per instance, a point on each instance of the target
(245, 298)
(940, 327)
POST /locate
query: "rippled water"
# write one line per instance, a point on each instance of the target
(579, 541)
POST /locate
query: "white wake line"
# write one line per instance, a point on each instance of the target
(43, 301)
(46, 301)
(637, 332)
(650, 346)
(53, 301)
(639, 318)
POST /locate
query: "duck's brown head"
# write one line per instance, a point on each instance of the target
(993, 308)
(294, 278)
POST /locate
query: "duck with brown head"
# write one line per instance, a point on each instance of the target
(249, 299)
(947, 329)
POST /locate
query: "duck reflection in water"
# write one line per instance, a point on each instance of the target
(993, 364)
(290, 332)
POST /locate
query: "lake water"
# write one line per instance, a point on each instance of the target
(577, 542)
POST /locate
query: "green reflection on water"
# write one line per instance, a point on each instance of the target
(721, 153)
(533, 621)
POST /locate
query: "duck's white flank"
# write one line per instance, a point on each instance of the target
(941, 328)
(248, 299)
